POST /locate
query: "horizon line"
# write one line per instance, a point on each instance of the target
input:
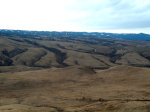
(79, 31)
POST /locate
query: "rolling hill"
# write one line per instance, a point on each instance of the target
(76, 89)
(44, 71)
(57, 49)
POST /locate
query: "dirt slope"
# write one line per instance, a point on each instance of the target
(91, 52)
(76, 89)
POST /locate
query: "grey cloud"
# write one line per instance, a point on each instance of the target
(108, 14)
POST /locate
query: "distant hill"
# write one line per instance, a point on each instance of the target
(49, 34)
(28, 50)
(74, 72)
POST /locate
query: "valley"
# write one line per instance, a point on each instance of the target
(46, 51)
(74, 72)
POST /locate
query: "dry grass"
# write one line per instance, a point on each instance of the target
(103, 54)
(76, 89)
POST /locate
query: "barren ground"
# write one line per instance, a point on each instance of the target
(76, 89)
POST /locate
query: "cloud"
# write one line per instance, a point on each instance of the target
(83, 15)
(116, 14)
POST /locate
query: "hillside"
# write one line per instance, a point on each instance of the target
(25, 50)
(76, 89)
(74, 72)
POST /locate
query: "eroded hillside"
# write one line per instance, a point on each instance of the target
(32, 52)
(74, 72)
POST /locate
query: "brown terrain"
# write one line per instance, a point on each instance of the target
(76, 89)
(73, 72)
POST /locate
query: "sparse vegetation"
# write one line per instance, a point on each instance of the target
(84, 72)
(48, 51)
(76, 89)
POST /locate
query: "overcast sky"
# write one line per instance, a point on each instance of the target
(76, 15)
